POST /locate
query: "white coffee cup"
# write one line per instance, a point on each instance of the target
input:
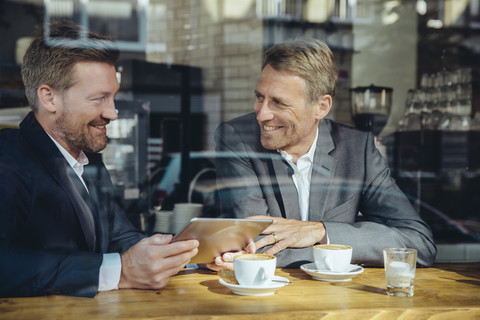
(332, 257)
(254, 269)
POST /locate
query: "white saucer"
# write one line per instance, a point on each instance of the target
(326, 275)
(256, 291)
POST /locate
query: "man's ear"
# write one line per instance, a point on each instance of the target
(48, 97)
(323, 106)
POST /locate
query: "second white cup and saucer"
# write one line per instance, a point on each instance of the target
(332, 263)
(266, 290)
(334, 276)
(255, 275)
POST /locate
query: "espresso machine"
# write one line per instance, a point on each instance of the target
(371, 107)
(370, 111)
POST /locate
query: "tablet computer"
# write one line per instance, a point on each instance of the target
(220, 235)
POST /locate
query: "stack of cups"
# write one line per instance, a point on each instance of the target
(163, 221)
(183, 212)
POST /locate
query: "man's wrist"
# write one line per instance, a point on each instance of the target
(323, 236)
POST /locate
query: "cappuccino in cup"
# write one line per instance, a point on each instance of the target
(255, 256)
(332, 257)
(254, 269)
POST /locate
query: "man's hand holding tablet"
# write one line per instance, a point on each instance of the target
(222, 238)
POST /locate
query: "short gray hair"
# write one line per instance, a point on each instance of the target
(310, 59)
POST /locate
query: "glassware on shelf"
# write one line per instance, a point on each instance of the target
(455, 100)
(409, 131)
(412, 120)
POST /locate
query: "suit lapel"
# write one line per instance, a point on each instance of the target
(84, 207)
(286, 186)
(93, 178)
(322, 172)
(276, 180)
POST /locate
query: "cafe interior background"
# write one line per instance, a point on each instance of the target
(409, 70)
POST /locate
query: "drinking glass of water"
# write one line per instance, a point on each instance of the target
(400, 265)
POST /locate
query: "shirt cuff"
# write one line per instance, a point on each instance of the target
(110, 272)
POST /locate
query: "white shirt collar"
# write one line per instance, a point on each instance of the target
(76, 164)
(307, 156)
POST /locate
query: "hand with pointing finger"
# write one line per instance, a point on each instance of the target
(225, 261)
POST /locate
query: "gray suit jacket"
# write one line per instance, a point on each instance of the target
(351, 191)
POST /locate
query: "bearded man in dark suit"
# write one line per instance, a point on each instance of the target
(61, 231)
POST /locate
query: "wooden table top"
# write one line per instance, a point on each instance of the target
(446, 291)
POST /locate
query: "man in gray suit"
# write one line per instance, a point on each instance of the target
(320, 181)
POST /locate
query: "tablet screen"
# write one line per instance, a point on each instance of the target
(220, 235)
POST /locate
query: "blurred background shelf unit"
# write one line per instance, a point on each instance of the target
(176, 122)
(126, 160)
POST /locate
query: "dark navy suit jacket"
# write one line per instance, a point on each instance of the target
(48, 245)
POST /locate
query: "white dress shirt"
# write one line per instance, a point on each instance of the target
(109, 274)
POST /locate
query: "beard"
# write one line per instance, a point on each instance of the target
(79, 136)
(288, 136)
(276, 143)
(291, 136)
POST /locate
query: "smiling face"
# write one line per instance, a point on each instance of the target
(286, 120)
(83, 111)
